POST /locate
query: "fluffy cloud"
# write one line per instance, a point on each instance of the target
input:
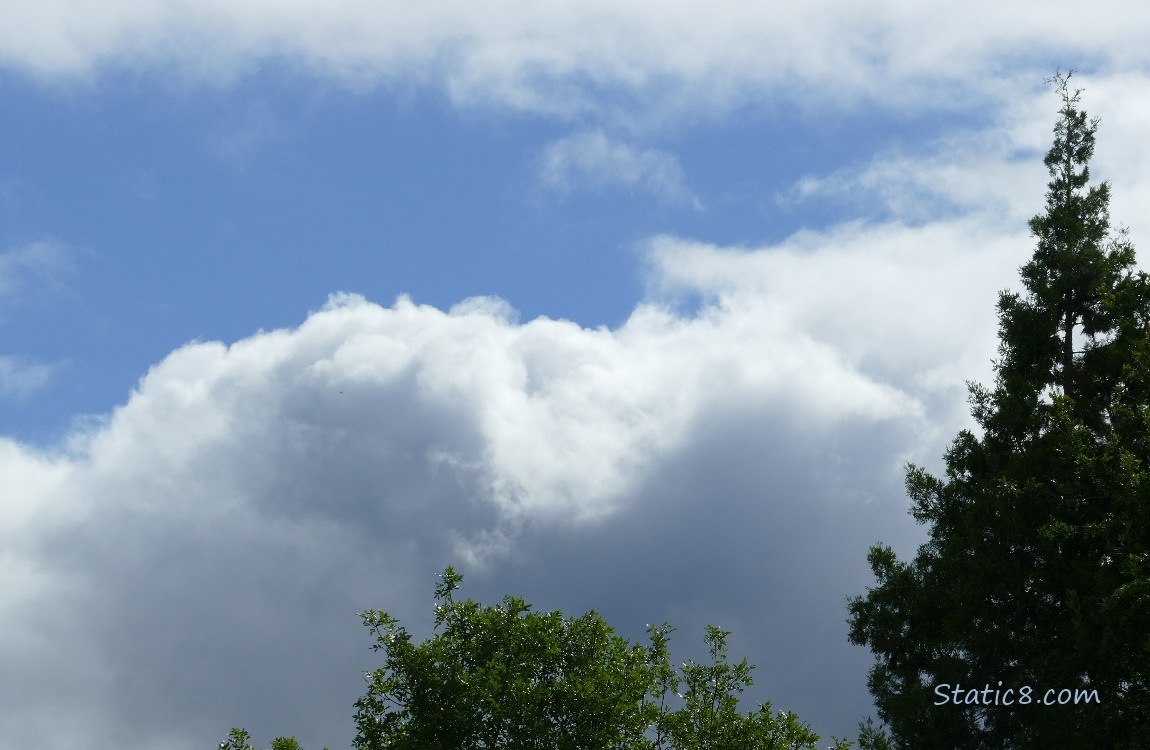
(541, 420)
(194, 560)
(563, 58)
(592, 159)
(895, 302)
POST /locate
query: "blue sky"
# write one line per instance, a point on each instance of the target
(628, 306)
(208, 211)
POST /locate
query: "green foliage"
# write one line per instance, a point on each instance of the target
(710, 717)
(506, 677)
(502, 676)
(285, 743)
(238, 740)
(1036, 569)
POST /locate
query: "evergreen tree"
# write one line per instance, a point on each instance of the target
(1036, 574)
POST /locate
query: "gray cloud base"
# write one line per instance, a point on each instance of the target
(196, 560)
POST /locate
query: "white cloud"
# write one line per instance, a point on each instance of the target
(214, 535)
(194, 561)
(32, 267)
(912, 307)
(540, 418)
(20, 376)
(27, 272)
(982, 172)
(1122, 101)
(592, 159)
(223, 525)
(567, 58)
(994, 174)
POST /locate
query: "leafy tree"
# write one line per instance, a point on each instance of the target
(510, 678)
(238, 740)
(507, 677)
(710, 717)
(1036, 573)
(502, 676)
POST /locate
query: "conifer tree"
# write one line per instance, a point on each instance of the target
(1036, 573)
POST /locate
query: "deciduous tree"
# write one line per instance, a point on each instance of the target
(504, 676)
(508, 678)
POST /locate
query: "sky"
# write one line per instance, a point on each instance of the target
(627, 306)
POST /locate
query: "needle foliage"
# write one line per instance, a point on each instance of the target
(1036, 574)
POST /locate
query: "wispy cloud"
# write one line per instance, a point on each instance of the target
(33, 270)
(240, 140)
(570, 58)
(984, 172)
(995, 171)
(592, 160)
(21, 376)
